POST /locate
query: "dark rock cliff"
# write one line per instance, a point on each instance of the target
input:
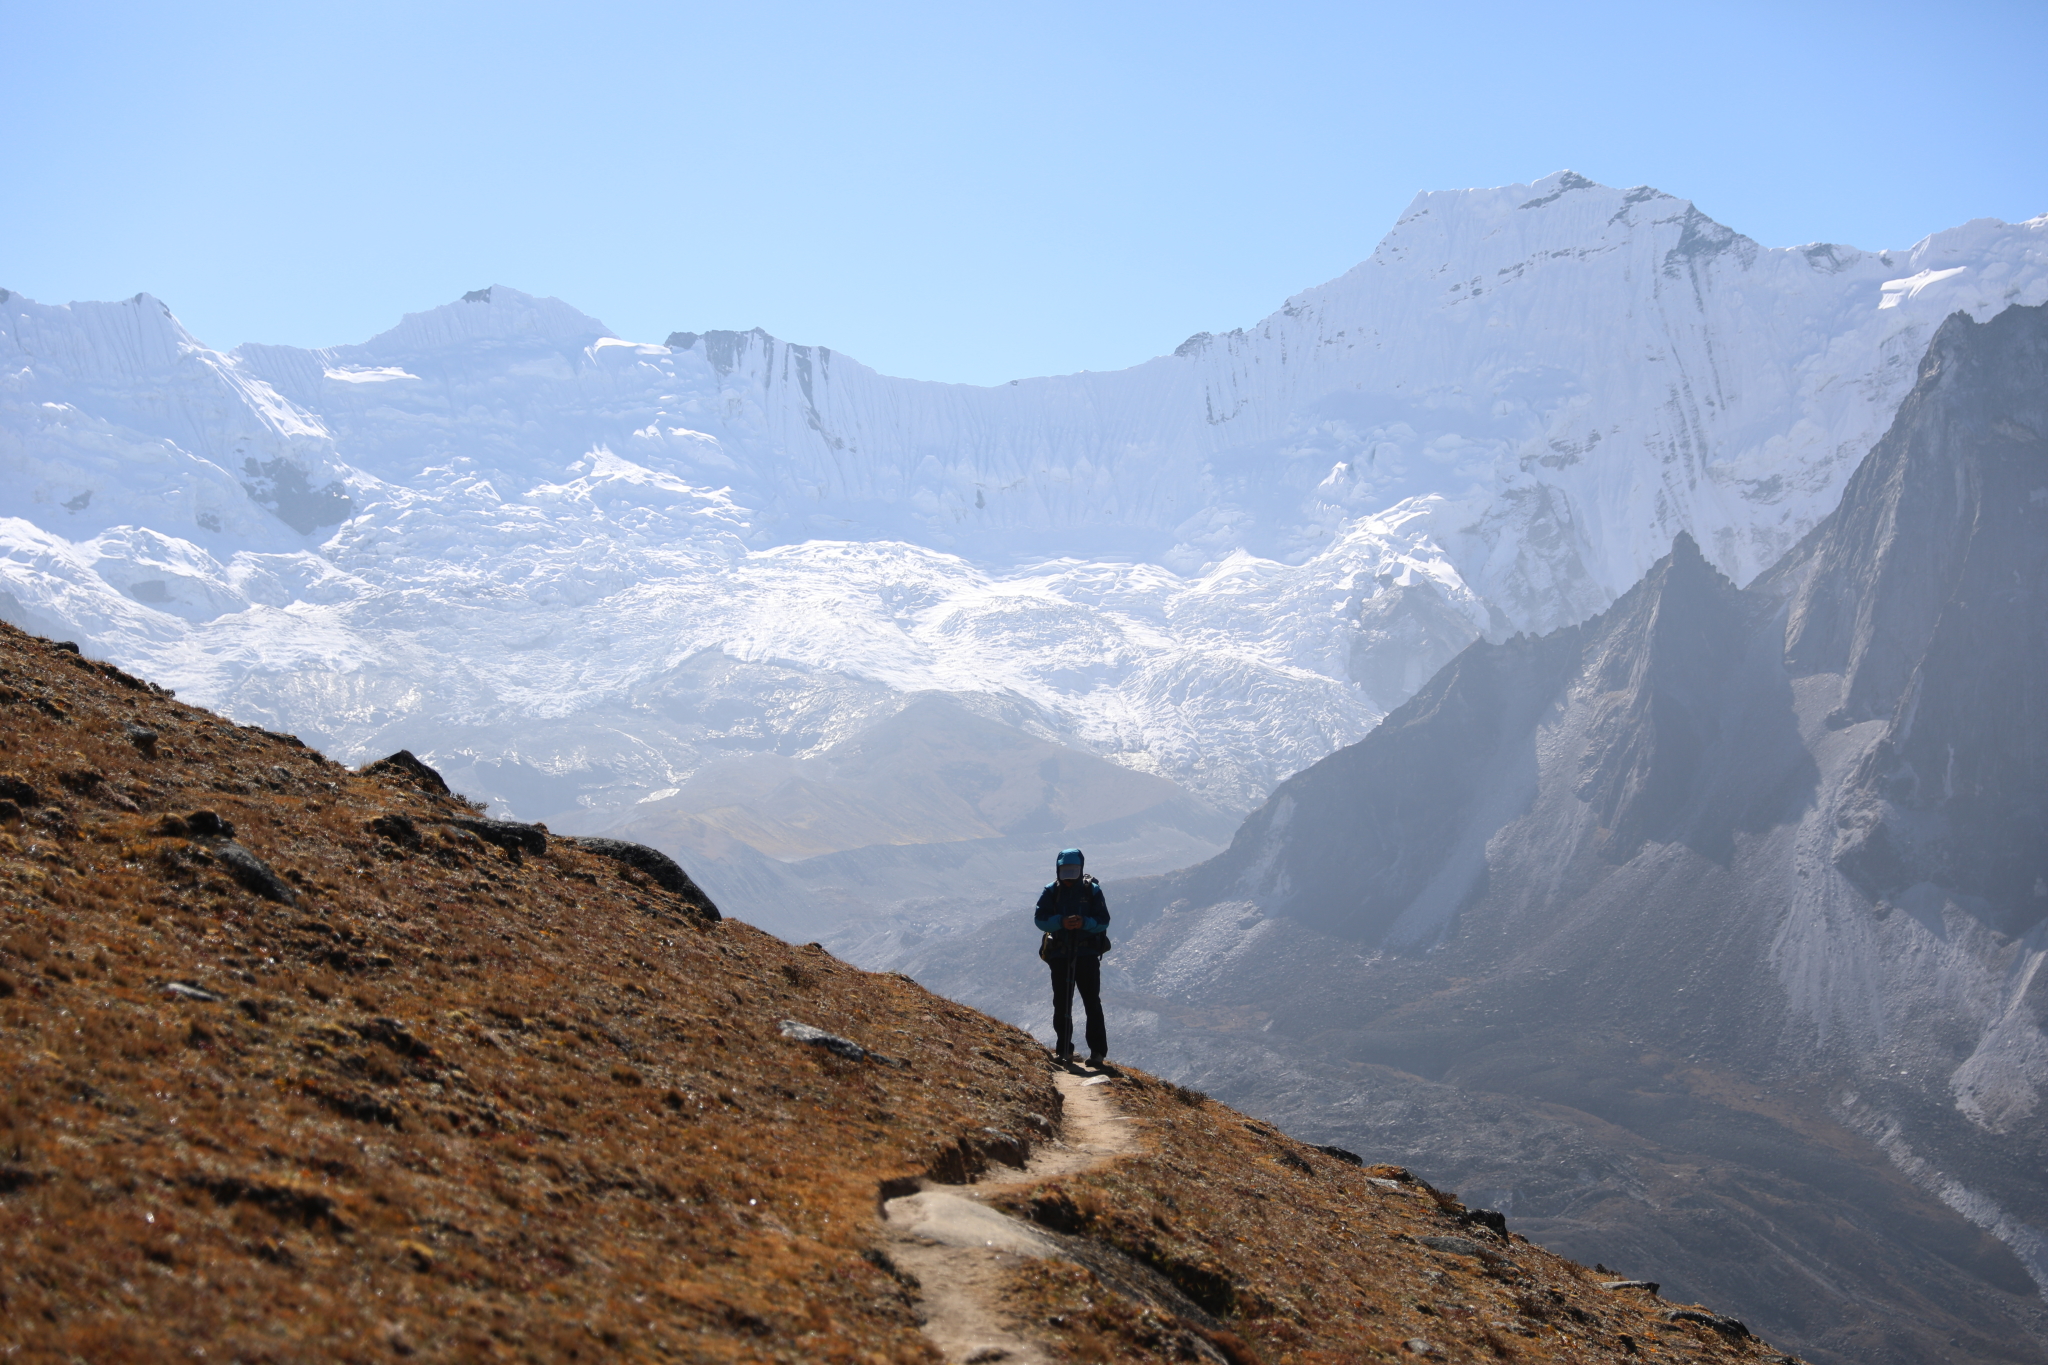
(1707, 935)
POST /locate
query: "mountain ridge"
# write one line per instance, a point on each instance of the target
(497, 536)
(1712, 924)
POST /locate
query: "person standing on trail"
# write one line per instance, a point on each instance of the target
(1073, 916)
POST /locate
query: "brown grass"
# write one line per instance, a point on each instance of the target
(457, 1104)
(1308, 1260)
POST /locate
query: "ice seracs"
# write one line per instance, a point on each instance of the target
(1216, 566)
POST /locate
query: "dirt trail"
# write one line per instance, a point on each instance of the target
(959, 1248)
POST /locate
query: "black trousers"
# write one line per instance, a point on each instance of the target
(1083, 970)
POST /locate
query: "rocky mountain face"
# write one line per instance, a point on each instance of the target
(1709, 931)
(306, 1063)
(582, 572)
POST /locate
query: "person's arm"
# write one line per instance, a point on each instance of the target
(1048, 916)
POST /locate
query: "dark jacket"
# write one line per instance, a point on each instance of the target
(1082, 897)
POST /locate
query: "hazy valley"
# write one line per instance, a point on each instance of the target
(1557, 706)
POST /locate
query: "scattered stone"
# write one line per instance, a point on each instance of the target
(68, 646)
(1491, 1219)
(81, 781)
(510, 835)
(291, 1202)
(394, 1035)
(185, 991)
(970, 1154)
(362, 1107)
(1651, 1285)
(397, 828)
(1726, 1326)
(255, 874)
(406, 768)
(1293, 1160)
(831, 1042)
(142, 737)
(1006, 1149)
(58, 822)
(1348, 1158)
(1421, 1346)
(203, 824)
(17, 790)
(1457, 1246)
(661, 869)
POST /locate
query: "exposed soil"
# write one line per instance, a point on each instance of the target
(963, 1252)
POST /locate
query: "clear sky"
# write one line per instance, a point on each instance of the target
(951, 191)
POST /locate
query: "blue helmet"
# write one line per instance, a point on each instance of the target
(1068, 865)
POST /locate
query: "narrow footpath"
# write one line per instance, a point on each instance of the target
(960, 1249)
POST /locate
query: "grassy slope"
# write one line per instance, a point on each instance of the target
(460, 1104)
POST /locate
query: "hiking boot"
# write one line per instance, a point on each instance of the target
(1097, 1060)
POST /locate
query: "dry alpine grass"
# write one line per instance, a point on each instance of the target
(1315, 1259)
(351, 1083)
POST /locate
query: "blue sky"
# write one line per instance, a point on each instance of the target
(962, 192)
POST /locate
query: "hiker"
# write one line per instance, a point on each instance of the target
(1073, 916)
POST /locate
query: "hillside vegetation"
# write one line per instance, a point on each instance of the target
(311, 1064)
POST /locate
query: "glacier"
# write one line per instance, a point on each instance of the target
(579, 571)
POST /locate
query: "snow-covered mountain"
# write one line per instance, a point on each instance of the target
(1708, 936)
(582, 572)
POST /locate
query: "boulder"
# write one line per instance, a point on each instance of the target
(403, 766)
(661, 869)
(514, 837)
(255, 874)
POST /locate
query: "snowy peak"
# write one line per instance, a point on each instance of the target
(119, 417)
(1215, 566)
(110, 344)
(1562, 216)
(481, 320)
